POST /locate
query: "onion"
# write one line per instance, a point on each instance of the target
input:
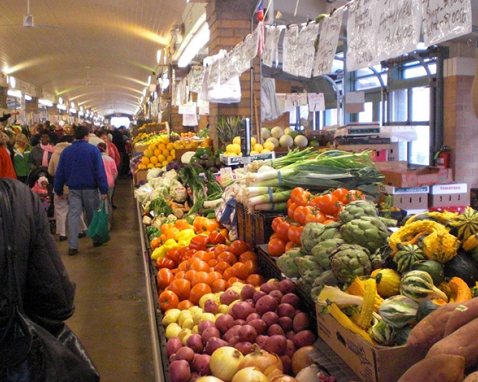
(275, 329)
(278, 378)
(210, 333)
(286, 363)
(247, 333)
(179, 371)
(257, 295)
(229, 296)
(259, 325)
(286, 286)
(285, 323)
(225, 362)
(203, 325)
(252, 316)
(209, 378)
(272, 371)
(250, 374)
(185, 353)
(262, 360)
(173, 346)
(213, 344)
(224, 322)
(195, 343)
(290, 348)
(277, 294)
(276, 344)
(301, 322)
(286, 310)
(292, 299)
(244, 347)
(266, 304)
(304, 338)
(241, 310)
(247, 292)
(301, 359)
(270, 318)
(200, 364)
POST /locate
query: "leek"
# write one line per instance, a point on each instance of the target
(274, 197)
(270, 207)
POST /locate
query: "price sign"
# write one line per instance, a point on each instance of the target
(328, 40)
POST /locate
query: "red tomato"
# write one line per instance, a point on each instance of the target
(166, 263)
(199, 242)
(290, 245)
(276, 247)
(220, 248)
(276, 222)
(327, 204)
(300, 196)
(342, 195)
(173, 254)
(355, 195)
(181, 288)
(290, 210)
(294, 233)
(300, 214)
(282, 230)
(168, 300)
(164, 278)
(315, 217)
(238, 246)
(216, 238)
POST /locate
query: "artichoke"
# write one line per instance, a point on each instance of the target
(369, 232)
(322, 251)
(356, 210)
(306, 282)
(286, 263)
(349, 261)
(314, 233)
(305, 264)
(326, 278)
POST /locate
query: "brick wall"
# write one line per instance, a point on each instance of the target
(460, 122)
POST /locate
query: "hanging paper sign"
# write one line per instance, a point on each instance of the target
(281, 102)
(271, 48)
(188, 108)
(361, 50)
(328, 41)
(289, 50)
(316, 101)
(190, 120)
(302, 99)
(445, 19)
(195, 79)
(398, 27)
(306, 49)
(203, 107)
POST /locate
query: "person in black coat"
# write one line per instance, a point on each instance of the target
(45, 287)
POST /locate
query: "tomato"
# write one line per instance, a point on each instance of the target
(197, 291)
(203, 255)
(241, 270)
(168, 300)
(213, 276)
(221, 266)
(342, 195)
(249, 255)
(232, 280)
(315, 217)
(189, 275)
(198, 265)
(300, 196)
(294, 233)
(164, 278)
(238, 246)
(228, 273)
(251, 266)
(220, 248)
(290, 210)
(200, 277)
(185, 304)
(166, 263)
(199, 242)
(255, 279)
(355, 195)
(276, 247)
(277, 221)
(173, 254)
(290, 245)
(282, 230)
(181, 287)
(300, 214)
(327, 204)
(216, 238)
(219, 285)
(228, 257)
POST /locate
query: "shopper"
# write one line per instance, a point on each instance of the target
(119, 139)
(81, 169)
(41, 153)
(111, 148)
(36, 133)
(44, 286)
(61, 203)
(111, 173)
(21, 157)
(6, 165)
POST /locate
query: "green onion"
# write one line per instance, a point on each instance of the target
(274, 197)
(271, 207)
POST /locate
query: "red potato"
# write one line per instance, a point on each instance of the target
(461, 342)
(461, 315)
(442, 368)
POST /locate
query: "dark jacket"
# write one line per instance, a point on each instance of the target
(36, 156)
(44, 283)
(81, 168)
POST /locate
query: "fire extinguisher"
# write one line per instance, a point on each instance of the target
(443, 157)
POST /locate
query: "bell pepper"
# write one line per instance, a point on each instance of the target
(159, 253)
(199, 242)
(185, 235)
(216, 238)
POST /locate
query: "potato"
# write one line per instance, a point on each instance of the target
(461, 342)
(432, 328)
(438, 368)
(463, 313)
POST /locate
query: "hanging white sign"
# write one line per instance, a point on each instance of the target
(328, 41)
(289, 50)
(304, 59)
(271, 48)
(398, 24)
(361, 51)
(445, 19)
(316, 101)
(187, 108)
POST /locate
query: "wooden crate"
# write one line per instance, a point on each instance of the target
(262, 226)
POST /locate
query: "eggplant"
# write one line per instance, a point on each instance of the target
(464, 267)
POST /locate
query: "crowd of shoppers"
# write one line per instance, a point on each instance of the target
(70, 167)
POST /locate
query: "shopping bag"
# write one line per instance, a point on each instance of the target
(98, 228)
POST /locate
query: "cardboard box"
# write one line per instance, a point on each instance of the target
(449, 195)
(399, 175)
(370, 363)
(408, 198)
(140, 177)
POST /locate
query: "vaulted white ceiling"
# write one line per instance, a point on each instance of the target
(97, 53)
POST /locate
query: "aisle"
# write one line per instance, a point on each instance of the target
(111, 310)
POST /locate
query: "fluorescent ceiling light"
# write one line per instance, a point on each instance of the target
(60, 100)
(72, 105)
(45, 102)
(61, 107)
(158, 55)
(194, 41)
(12, 81)
(14, 93)
(28, 97)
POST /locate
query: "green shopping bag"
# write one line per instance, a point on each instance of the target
(98, 228)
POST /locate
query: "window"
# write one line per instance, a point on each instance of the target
(366, 115)
(420, 104)
(399, 103)
(295, 116)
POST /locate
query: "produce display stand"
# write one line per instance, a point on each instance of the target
(254, 227)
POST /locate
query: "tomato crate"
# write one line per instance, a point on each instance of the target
(267, 264)
(244, 224)
(262, 226)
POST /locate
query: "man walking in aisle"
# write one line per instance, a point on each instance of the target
(81, 169)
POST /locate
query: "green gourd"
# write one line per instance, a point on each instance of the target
(418, 285)
(433, 268)
(398, 311)
(407, 256)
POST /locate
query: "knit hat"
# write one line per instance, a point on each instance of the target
(42, 179)
(102, 146)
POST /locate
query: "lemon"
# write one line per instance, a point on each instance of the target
(230, 148)
(141, 166)
(145, 160)
(235, 148)
(162, 146)
(161, 158)
(258, 147)
(237, 140)
(157, 152)
(152, 147)
(268, 146)
(150, 165)
(173, 153)
(148, 153)
(178, 145)
(153, 160)
(265, 151)
(170, 146)
(253, 141)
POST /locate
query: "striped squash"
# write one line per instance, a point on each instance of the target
(398, 311)
(418, 285)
